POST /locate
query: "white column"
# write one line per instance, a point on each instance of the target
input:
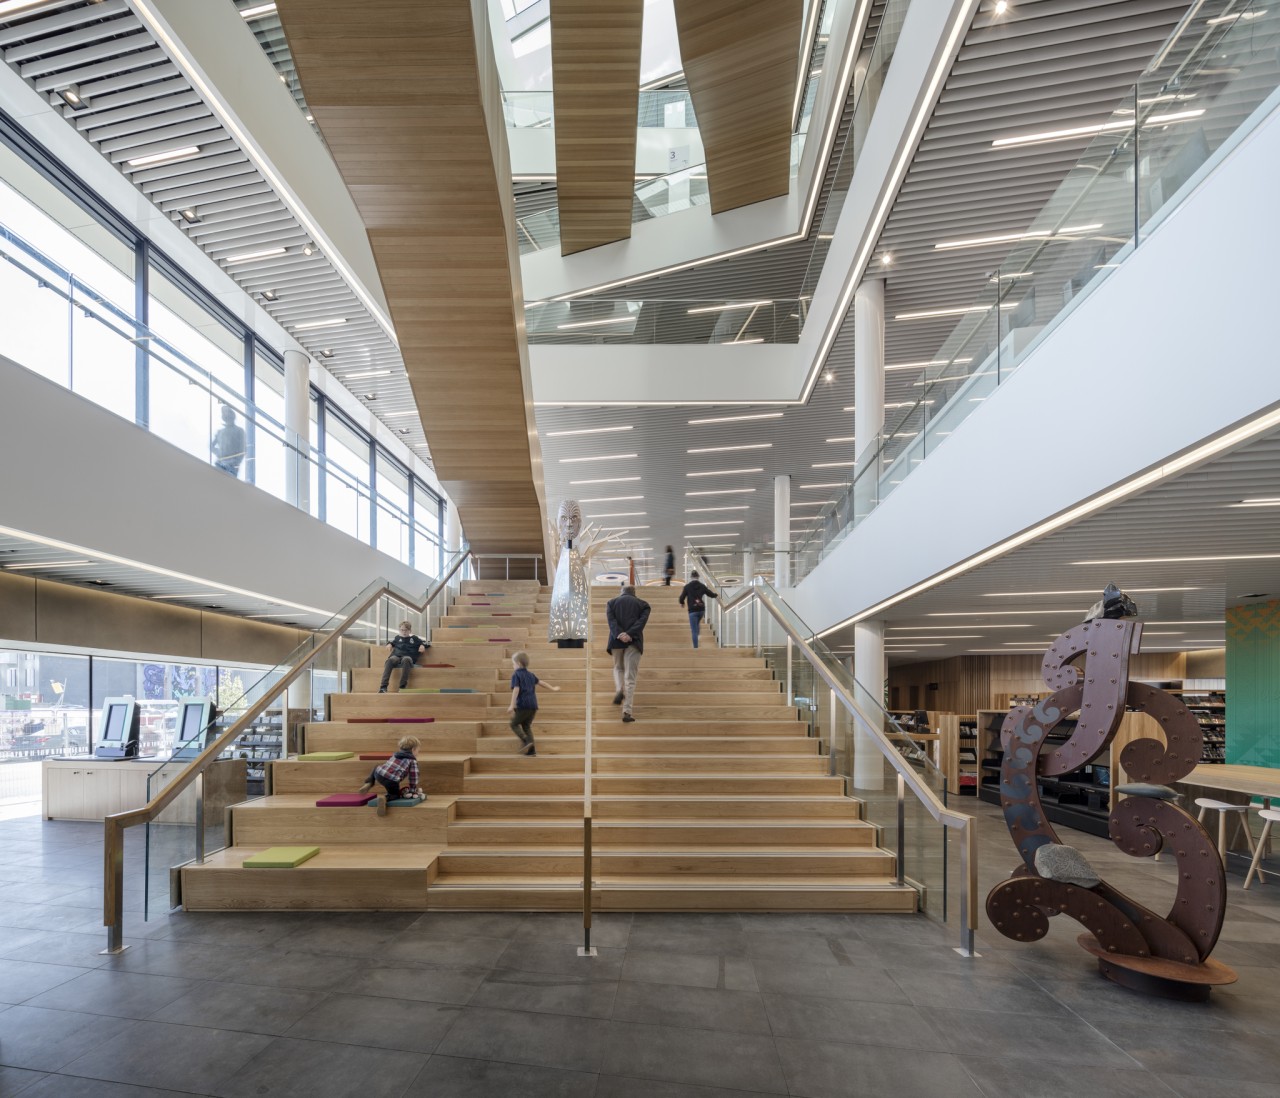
(297, 425)
(868, 671)
(452, 529)
(868, 386)
(782, 532)
(748, 565)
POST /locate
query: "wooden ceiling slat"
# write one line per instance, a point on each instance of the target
(399, 90)
(740, 59)
(595, 63)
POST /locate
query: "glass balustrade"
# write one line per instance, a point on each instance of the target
(1205, 92)
(57, 326)
(631, 320)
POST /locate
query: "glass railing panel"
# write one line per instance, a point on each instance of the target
(1208, 87)
(738, 322)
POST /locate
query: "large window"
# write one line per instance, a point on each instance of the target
(87, 302)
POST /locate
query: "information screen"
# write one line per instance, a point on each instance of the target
(192, 724)
(114, 729)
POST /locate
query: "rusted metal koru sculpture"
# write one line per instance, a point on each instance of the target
(1164, 955)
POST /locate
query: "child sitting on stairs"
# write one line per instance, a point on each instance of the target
(398, 776)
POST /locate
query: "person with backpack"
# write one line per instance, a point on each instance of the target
(398, 776)
(696, 592)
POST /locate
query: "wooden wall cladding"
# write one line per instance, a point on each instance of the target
(405, 93)
(595, 64)
(17, 608)
(740, 60)
(969, 683)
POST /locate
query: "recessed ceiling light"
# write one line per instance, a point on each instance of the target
(727, 308)
(605, 480)
(366, 373)
(1243, 16)
(951, 637)
(814, 503)
(596, 323)
(308, 249)
(722, 492)
(723, 472)
(843, 438)
(908, 404)
(934, 627)
(718, 534)
(617, 514)
(586, 431)
(610, 499)
(828, 376)
(195, 595)
(1091, 130)
(709, 510)
(925, 362)
(886, 259)
(997, 613)
(327, 352)
(624, 529)
(1183, 560)
(189, 215)
(331, 322)
(154, 159)
(248, 257)
(71, 96)
(1210, 621)
(740, 342)
(726, 449)
(926, 314)
(9, 7)
(1270, 501)
(270, 295)
(716, 522)
(257, 11)
(1082, 591)
(737, 419)
(831, 465)
(48, 564)
(826, 484)
(602, 457)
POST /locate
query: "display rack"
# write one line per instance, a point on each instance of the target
(262, 743)
(1209, 708)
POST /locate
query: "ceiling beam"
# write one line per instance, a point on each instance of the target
(406, 96)
(595, 64)
(740, 59)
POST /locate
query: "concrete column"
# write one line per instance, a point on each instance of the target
(868, 387)
(868, 671)
(782, 532)
(297, 425)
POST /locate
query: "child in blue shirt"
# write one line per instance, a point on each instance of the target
(524, 701)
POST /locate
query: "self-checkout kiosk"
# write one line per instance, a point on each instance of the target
(195, 727)
(121, 729)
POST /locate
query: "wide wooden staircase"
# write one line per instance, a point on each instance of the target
(716, 798)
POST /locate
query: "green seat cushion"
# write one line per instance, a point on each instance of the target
(327, 756)
(281, 857)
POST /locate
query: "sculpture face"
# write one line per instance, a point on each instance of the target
(569, 519)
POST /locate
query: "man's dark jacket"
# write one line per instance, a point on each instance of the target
(627, 614)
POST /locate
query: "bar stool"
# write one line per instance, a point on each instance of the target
(1269, 816)
(1222, 808)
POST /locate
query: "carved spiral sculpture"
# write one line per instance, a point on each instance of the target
(1020, 907)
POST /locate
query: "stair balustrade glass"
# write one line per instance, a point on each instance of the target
(722, 321)
(860, 740)
(1207, 89)
(192, 826)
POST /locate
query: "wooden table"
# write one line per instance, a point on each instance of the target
(1246, 781)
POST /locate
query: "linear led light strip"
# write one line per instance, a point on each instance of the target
(145, 10)
(1225, 441)
(876, 223)
(1091, 131)
(811, 201)
(99, 557)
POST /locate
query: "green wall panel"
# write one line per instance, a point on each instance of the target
(1253, 684)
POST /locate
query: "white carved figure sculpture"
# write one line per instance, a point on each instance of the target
(570, 591)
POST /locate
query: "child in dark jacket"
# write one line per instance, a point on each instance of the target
(524, 701)
(398, 776)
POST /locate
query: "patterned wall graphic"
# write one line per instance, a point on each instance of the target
(1253, 684)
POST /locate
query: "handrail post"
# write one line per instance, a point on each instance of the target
(113, 885)
(968, 889)
(587, 950)
(790, 691)
(831, 738)
(198, 785)
(902, 829)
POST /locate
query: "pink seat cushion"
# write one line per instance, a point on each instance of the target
(345, 800)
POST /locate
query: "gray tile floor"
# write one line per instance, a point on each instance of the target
(403, 1005)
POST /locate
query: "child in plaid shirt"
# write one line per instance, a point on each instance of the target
(398, 776)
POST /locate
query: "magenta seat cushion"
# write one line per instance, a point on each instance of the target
(345, 800)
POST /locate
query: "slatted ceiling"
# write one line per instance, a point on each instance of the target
(740, 60)
(439, 229)
(595, 61)
(139, 102)
(1187, 516)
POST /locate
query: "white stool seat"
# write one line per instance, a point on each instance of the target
(1269, 816)
(1222, 808)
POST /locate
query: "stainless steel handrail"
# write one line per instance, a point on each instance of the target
(114, 826)
(908, 777)
(508, 558)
